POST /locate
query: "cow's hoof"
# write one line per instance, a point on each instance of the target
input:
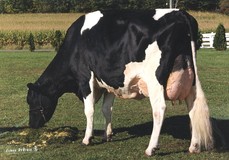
(107, 138)
(152, 152)
(194, 148)
(86, 141)
(149, 152)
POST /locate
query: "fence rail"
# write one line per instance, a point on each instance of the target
(208, 39)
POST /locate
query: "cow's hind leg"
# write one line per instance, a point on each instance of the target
(200, 122)
(195, 144)
(158, 108)
(107, 111)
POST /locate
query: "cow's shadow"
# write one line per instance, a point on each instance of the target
(179, 127)
(176, 126)
(4, 130)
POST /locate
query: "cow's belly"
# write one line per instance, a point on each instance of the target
(134, 86)
(178, 85)
(135, 89)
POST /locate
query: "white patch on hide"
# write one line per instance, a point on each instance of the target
(91, 19)
(161, 12)
(138, 75)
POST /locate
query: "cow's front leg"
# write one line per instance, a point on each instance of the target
(89, 112)
(89, 103)
(107, 112)
(158, 108)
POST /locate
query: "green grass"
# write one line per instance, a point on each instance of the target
(132, 120)
(214, 74)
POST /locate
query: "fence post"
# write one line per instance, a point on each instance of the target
(211, 39)
(227, 39)
(208, 40)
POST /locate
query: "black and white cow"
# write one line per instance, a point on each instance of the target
(128, 54)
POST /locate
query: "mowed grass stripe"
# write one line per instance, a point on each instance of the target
(37, 22)
(208, 21)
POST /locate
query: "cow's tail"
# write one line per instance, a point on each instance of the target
(199, 114)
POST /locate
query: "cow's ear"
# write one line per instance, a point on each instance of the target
(32, 86)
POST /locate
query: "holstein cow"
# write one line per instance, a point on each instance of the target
(128, 54)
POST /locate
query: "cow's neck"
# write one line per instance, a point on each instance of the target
(57, 79)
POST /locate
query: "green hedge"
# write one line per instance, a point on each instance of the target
(23, 40)
(64, 6)
(39, 40)
(199, 5)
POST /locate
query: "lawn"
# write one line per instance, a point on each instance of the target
(132, 120)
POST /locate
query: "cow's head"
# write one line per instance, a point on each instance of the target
(41, 107)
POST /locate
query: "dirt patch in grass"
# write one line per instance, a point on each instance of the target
(44, 137)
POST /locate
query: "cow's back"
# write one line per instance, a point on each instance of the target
(113, 39)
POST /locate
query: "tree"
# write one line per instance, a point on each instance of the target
(220, 42)
(22, 6)
(58, 40)
(2, 6)
(203, 5)
(209, 5)
(31, 42)
(224, 6)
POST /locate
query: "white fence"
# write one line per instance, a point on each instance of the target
(208, 39)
